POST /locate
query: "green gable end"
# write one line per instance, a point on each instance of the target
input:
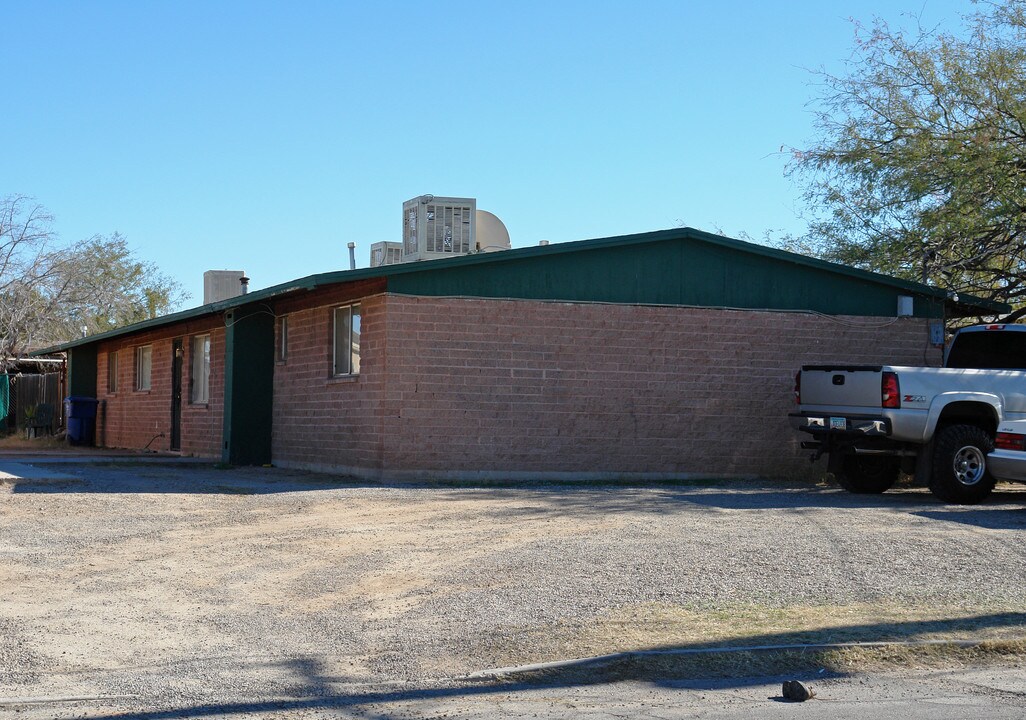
(681, 270)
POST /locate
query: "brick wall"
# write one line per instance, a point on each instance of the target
(325, 421)
(492, 388)
(463, 387)
(130, 418)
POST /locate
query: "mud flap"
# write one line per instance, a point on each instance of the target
(924, 464)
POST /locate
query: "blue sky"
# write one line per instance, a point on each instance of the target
(265, 136)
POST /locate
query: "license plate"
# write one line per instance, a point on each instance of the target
(838, 423)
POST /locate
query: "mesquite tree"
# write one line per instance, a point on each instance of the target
(920, 169)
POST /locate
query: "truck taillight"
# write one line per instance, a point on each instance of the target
(1010, 441)
(890, 395)
(798, 387)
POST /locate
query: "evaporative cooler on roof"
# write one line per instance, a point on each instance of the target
(386, 253)
(438, 227)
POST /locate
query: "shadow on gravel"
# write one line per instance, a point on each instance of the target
(981, 516)
(545, 499)
(818, 497)
(680, 666)
(581, 501)
(203, 479)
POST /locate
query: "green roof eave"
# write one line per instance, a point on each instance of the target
(970, 305)
(311, 282)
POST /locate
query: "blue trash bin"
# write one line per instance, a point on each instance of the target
(80, 412)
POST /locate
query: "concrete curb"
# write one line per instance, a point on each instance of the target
(102, 459)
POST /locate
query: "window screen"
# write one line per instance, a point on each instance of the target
(143, 367)
(112, 371)
(347, 340)
(199, 369)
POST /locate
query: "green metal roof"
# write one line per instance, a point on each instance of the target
(646, 268)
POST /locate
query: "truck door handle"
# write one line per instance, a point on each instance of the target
(838, 379)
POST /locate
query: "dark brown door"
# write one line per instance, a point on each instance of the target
(176, 393)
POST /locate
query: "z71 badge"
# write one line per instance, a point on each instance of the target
(914, 399)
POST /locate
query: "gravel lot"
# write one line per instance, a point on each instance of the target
(185, 584)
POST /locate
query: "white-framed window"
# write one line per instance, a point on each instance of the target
(346, 355)
(283, 338)
(143, 366)
(112, 372)
(199, 369)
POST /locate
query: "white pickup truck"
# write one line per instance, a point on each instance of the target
(938, 423)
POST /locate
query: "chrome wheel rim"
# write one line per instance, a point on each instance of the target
(969, 465)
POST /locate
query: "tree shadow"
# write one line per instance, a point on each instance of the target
(528, 499)
(659, 499)
(312, 687)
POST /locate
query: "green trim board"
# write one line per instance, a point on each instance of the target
(680, 266)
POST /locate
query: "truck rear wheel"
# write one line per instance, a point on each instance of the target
(868, 474)
(960, 464)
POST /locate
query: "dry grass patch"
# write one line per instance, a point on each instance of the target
(659, 627)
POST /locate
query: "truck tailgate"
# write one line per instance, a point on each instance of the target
(847, 385)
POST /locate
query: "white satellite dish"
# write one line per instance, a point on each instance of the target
(491, 233)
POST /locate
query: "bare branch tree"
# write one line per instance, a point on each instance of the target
(50, 290)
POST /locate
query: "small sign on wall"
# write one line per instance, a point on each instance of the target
(905, 307)
(937, 333)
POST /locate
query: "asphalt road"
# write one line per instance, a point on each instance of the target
(995, 693)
